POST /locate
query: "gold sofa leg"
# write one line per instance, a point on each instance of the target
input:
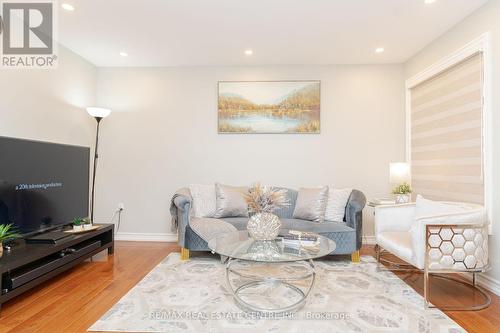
(355, 256)
(184, 254)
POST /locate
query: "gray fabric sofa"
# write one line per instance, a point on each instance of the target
(347, 234)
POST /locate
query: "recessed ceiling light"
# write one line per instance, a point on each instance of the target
(428, 2)
(248, 52)
(68, 7)
(379, 50)
(124, 54)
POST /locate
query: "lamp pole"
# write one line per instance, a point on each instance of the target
(98, 114)
(96, 156)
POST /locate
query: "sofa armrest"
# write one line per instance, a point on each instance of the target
(354, 214)
(183, 201)
(394, 218)
(180, 210)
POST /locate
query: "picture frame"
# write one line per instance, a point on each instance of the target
(269, 107)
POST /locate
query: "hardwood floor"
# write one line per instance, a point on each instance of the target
(75, 300)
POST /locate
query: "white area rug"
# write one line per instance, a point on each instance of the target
(191, 296)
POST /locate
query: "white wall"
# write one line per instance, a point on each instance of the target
(163, 136)
(49, 105)
(485, 19)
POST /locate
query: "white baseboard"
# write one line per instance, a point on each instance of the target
(145, 237)
(369, 240)
(487, 282)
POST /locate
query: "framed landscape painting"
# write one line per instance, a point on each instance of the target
(269, 107)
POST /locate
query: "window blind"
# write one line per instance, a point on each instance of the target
(446, 135)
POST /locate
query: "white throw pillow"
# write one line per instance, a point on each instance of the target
(204, 200)
(335, 206)
(425, 207)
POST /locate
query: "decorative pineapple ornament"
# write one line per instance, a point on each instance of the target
(263, 201)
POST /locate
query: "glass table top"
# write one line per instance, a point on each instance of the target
(239, 245)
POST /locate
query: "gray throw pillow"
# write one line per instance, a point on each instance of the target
(311, 204)
(230, 201)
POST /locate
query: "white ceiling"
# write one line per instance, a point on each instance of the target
(216, 32)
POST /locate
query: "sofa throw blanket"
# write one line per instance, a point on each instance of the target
(183, 192)
(208, 228)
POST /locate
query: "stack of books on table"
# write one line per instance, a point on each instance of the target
(299, 239)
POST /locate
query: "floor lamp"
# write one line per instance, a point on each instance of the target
(98, 114)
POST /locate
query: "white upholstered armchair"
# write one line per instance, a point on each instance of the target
(436, 237)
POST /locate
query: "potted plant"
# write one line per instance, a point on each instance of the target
(78, 224)
(87, 224)
(262, 202)
(7, 233)
(402, 193)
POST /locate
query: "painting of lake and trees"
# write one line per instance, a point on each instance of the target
(269, 107)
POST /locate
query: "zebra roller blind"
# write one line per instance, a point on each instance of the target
(446, 135)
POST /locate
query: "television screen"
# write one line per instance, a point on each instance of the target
(42, 185)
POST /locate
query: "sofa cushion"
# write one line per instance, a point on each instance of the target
(397, 242)
(343, 235)
(240, 223)
(320, 228)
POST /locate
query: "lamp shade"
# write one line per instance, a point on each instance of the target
(399, 172)
(98, 112)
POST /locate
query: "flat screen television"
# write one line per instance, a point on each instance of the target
(42, 185)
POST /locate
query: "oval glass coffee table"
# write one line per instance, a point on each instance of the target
(269, 277)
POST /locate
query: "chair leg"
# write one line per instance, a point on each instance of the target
(472, 284)
(184, 254)
(355, 256)
(426, 289)
(377, 252)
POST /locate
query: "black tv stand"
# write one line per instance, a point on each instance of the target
(28, 264)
